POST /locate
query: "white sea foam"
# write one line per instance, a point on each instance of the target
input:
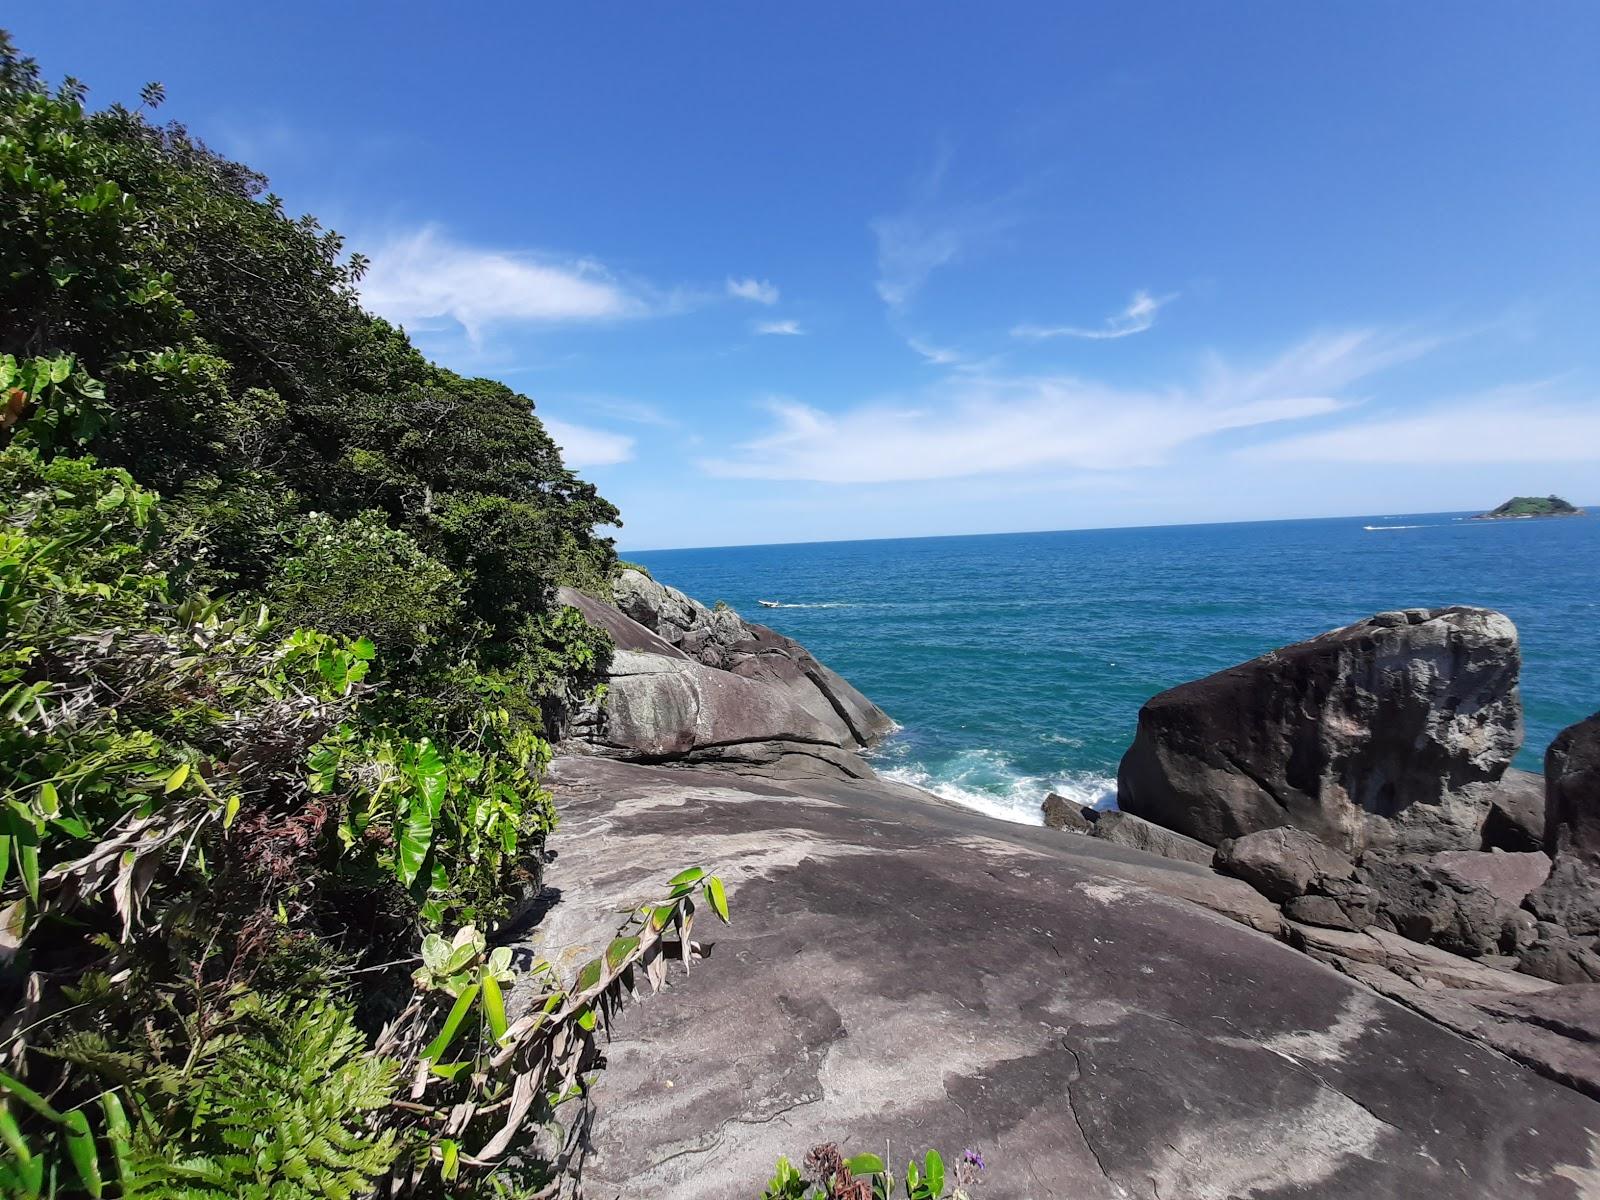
(1375, 528)
(984, 781)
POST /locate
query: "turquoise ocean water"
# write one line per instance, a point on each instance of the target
(1016, 663)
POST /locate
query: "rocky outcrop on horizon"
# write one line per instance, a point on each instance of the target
(702, 686)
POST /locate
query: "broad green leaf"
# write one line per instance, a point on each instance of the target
(450, 1159)
(81, 1149)
(11, 1135)
(618, 951)
(28, 863)
(692, 875)
(70, 826)
(494, 1006)
(175, 780)
(589, 976)
(230, 811)
(49, 800)
(717, 898)
(587, 1019)
(452, 1023)
(119, 1134)
(933, 1169)
(864, 1164)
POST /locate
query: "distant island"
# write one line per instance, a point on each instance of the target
(1531, 506)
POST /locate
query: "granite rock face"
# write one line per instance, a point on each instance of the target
(1515, 821)
(1377, 735)
(696, 685)
(1125, 829)
(1061, 813)
(1282, 863)
(902, 970)
(1571, 896)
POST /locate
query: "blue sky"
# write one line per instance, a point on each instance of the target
(785, 273)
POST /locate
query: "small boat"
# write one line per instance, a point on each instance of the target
(769, 604)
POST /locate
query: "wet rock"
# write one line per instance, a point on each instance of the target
(1282, 863)
(1571, 896)
(1061, 813)
(1125, 829)
(1369, 736)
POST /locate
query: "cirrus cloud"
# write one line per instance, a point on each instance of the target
(584, 446)
(757, 291)
(1137, 317)
(986, 424)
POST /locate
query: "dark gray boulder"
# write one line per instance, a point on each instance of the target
(1571, 896)
(1430, 904)
(1125, 829)
(746, 699)
(1061, 813)
(1282, 863)
(1515, 821)
(1559, 957)
(1368, 736)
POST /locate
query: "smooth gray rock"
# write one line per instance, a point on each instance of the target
(1556, 955)
(1125, 829)
(721, 638)
(771, 709)
(1509, 877)
(901, 971)
(1282, 863)
(1368, 736)
(1061, 813)
(1571, 896)
(1515, 821)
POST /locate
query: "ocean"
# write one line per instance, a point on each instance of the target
(1015, 664)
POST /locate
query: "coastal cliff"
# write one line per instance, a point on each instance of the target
(1088, 1009)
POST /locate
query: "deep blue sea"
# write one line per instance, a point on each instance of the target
(1016, 663)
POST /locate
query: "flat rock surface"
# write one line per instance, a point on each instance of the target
(901, 971)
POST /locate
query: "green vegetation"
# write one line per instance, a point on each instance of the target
(279, 665)
(1533, 506)
(828, 1175)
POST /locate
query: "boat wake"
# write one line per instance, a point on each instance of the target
(1376, 528)
(820, 604)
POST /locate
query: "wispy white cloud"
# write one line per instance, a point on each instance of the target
(758, 291)
(584, 446)
(1139, 316)
(1525, 424)
(929, 233)
(938, 356)
(424, 277)
(779, 328)
(983, 424)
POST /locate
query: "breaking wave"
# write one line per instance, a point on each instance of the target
(986, 782)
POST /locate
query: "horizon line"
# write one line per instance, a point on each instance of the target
(1588, 510)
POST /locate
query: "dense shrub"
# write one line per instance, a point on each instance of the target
(279, 666)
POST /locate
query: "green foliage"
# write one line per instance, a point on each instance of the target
(286, 1109)
(1535, 506)
(828, 1175)
(361, 578)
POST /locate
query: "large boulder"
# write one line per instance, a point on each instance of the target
(700, 686)
(1374, 735)
(1515, 820)
(1571, 896)
(1125, 829)
(720, 638)
(1282, 863)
